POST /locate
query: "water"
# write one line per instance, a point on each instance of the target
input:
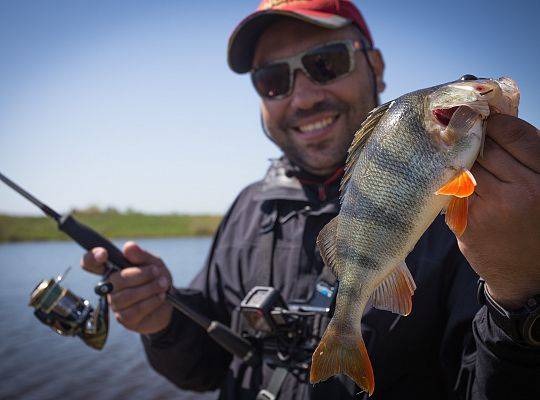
(36, 363)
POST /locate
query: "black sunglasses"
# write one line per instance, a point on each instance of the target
(322, 64)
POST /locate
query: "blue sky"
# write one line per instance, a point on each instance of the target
(131, 104)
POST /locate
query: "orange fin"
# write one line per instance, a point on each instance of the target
(395, 291)
(342, 354)
(461, 186)
(456, 215)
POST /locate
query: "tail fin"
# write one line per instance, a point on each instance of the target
(342, 354)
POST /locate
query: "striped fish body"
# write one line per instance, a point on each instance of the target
(390, 199)
(405, 152)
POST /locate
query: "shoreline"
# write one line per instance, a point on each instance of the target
(113, 225)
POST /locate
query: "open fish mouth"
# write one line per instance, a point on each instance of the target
(443, 115)
(457, 121)
(484, 96)
(479, 96)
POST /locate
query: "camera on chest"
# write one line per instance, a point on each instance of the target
(286, 334)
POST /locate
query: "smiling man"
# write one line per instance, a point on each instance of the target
(318, 75)
(314, 124)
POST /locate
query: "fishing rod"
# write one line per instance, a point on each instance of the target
(70, 315)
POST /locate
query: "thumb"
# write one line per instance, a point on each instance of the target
(138, 256)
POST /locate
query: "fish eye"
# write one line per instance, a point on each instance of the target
(468, 77)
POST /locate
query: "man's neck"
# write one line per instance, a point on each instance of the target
(311, 176)
(326, 186)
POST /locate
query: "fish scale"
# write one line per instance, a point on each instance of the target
(405, 151)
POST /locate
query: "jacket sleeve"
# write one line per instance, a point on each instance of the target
(482, 362)
(504, 368)
(183, 352)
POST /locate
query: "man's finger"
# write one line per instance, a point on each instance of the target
(486, 182)
(94, 260)
(132, 316)
(138, 256)
(502, 164)
(517, 137)
(130, 296)
(133, 276)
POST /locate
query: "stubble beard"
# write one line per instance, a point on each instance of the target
(317, 158)
(320, 158)
(325, 157)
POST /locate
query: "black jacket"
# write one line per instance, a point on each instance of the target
(437, 352)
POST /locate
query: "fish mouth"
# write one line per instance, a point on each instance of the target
(443, 115)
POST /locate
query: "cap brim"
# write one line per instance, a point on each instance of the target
(243, 40)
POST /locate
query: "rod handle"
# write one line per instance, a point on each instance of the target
(89, 238)
(233, 343)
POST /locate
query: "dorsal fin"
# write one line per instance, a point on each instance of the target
(360, 138)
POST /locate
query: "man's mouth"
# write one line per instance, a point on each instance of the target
(317, 127)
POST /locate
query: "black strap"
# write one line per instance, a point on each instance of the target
(274, 386)
(263, 275)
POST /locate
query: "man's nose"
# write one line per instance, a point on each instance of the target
(305, 93)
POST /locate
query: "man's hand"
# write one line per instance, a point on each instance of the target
(502, 239)
(138, 296)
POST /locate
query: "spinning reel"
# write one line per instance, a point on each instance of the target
(70, 315)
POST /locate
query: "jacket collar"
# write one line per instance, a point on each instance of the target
(285, 181)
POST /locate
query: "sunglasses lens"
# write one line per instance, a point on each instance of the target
(272, 80)
(328, 62)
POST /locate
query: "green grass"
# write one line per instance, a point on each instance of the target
(110, 224)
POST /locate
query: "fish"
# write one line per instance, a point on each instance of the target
(409, 161)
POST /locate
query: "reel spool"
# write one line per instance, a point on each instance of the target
(70, 315)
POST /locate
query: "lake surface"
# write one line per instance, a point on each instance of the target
(36, 363)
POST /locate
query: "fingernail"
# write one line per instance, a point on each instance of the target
(163, 282)
(155, 271)
(99, 254)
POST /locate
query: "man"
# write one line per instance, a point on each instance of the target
(268, 235)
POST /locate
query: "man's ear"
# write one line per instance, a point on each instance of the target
(377, 63)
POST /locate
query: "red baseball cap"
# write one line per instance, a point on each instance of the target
(330, 14)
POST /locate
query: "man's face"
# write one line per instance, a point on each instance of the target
(314, 126)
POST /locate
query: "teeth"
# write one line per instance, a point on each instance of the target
(323, 123)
